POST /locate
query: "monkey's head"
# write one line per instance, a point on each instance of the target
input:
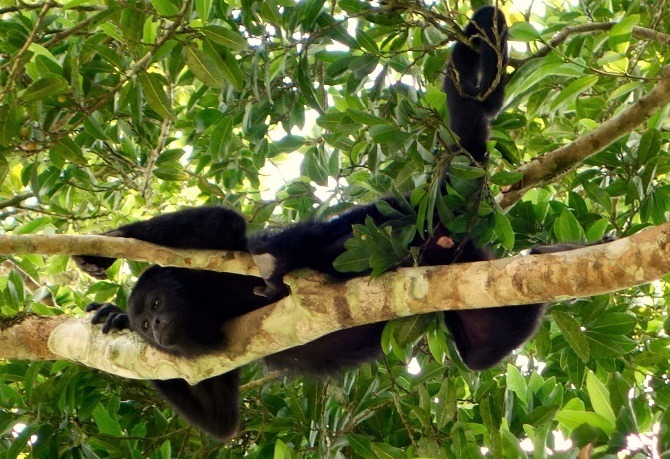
(166, 308)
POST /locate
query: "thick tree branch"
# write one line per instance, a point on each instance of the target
(554, 164)
(318, 306)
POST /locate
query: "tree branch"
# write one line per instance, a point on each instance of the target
(319, 306)
(132, 249)
(638, 32)
(555, 164)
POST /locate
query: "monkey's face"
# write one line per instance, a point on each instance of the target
(161, 309)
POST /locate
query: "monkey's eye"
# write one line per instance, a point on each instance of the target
(145, 325)
(154, 304)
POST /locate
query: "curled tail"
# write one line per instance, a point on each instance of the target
(475, 81)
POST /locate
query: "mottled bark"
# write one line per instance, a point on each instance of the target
(319, 306)
(130, 249)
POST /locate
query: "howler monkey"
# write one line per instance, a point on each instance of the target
(181, 310)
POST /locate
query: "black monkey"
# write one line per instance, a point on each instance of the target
(181, 310)
(474, 85)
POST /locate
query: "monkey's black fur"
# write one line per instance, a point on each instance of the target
(181, 310)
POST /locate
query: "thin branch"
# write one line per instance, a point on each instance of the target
(35, 6)
(566, 32)
(132, 249)
(14, 200)
(57, 38)
(160, 144)
(319, 306)
(553, 165)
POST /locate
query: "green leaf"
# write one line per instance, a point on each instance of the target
(365, 118)
(386, 451)
(567, 228)
(650, 146)
(516, 383)
(334, 29)
(306, 86)
(598, 195)
(523, 31)
(165, 8)
(384, 133)
(226, 37)
(68, 149)
(503, 231)
(614, 323)
(352, 261)
(600, 397)
(290, 142)
(410, 329)
(619, 36)
(44, 87)
(610, 346)
(106, 424)
(203, 7)
(170, 173)
(361, 66)
(9, 124)
(360, 445)
(314, 168)
(270, 12)
(381, 261)
(572, 333)
(466, 172)
(572, 419)
(569, 93)
(366, 42)
(282, 451)
(505, 178)
(614, 62)
(445, 406)
(204, 67)
(152, 88)
(226, 63)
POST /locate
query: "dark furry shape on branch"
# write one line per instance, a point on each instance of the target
(181, 310)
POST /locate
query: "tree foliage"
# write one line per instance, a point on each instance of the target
(116, 111)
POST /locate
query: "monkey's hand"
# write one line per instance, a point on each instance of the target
(111, 316)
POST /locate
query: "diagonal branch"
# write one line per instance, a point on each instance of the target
(566, 32)
(555, 164)
(318, 306)
(131, 249)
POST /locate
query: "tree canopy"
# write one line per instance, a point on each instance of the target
(289, 110)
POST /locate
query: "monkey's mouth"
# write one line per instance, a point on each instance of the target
(166, 340)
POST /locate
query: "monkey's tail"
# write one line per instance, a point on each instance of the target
(475, 80)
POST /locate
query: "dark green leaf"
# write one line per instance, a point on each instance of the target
(47, 86)
(152, 87)
(572, 333)
(205, 67)
(165, 7)
(650, 146)
(68, 149)
(226, 63)
(504, 178)
(226, 37)
(171, 173)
